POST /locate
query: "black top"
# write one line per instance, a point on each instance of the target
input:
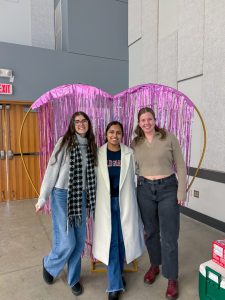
(114, 163)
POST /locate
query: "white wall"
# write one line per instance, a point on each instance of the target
(213, 89)
(27, 22)
(15, 22)
(42, 24)
(142, 41)
(189, 46)
(211, 198)
(168, 18)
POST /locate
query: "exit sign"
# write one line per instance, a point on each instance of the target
(5, 89)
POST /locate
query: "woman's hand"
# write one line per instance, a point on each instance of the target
(37, 207)
(181, 202)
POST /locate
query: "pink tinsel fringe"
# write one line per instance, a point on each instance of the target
(174, 111)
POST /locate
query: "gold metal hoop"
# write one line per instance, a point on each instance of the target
(21, 153)
(190, 184)
(203, 149)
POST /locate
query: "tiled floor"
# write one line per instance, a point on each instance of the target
(26, 237)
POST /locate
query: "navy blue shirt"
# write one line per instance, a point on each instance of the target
(114, 163)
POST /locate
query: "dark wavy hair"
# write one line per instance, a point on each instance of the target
(70, 140)
(110, 125)
(140, 133)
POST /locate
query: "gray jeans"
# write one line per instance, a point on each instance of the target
(160, 214)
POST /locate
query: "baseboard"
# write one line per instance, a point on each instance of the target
(217, 224)
(207, 174)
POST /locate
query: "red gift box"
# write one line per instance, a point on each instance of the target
(218, 252)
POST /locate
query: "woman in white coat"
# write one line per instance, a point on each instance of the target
(118, 231)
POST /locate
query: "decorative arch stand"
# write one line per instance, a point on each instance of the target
(174, 111)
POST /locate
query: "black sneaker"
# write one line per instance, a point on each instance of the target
(48, 278)
(114, 295)
(124, 282)
(77, 289)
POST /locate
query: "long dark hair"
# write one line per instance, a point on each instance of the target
(70, 140)
(110, 125)
(140, 133)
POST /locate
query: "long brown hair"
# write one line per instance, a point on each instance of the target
(140, 133)
(69, 139)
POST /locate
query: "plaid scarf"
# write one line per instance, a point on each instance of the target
(75, 186)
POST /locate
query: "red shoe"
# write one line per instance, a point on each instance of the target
(150, 276)
(172, 290)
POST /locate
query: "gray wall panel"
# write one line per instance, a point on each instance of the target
(94, 36)
(135, 70)
(200, 25)
(42, 24)
(190, 38)
(38, 70)
(167, 61)
(56, 3)
(134, 21)
(15, 22)
(65, 25)
(214, 84)
(98, 28)
(149, 40)
(168, 18)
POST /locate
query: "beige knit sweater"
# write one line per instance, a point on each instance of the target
(159, 158)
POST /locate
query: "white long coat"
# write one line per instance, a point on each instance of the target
(132, 227)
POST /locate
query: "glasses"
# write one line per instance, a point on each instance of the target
(81, 122)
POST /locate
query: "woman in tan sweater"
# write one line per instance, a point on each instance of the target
(159, 195)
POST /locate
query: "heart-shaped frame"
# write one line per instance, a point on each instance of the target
(174, 111)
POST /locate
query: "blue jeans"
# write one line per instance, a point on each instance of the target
(160, 214)
(67, 247)
(117, 250)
